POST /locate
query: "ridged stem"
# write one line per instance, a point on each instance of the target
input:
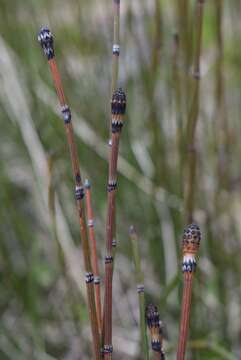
(118, 106)
(185, 315)
(190, 245)
(94, 257)
(46, 40)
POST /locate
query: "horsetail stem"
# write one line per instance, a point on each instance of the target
(140, 290)
(153, 323)
(94, 257)
(190, 245)
(193, 117)
(46, 40)
(118, 107)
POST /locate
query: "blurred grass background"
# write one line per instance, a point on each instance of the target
(42, 294)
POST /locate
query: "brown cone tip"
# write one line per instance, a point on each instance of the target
(152, 316)
(46, 40)
(191, 238)
(118, 102)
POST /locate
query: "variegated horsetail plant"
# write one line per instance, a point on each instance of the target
(46, 40)
(190, 245)
(94, 257)
(101, 328)
(153, 323)
(118, 108)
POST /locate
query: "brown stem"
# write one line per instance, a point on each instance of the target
(190, 245)
(118, 106)
(46, 40)
(186, 306)
(94, 257)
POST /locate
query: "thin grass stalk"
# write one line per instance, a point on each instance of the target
(153, 323)
(178, 107)
(222, 128)
(116, 46)
(193, 117)
(94, 257)
(222, 137)
(190, 245)
(118, 106)
(140, 291)
(46, 40)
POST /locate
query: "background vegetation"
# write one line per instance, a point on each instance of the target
(42, 294)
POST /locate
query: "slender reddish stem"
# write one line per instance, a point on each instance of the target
(185, 315)
(109, 238)
(94, 257)
(80, 207)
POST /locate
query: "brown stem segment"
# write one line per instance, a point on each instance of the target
(118, 107)
(190, 243)
(94, 257)
(186, 305)
(46, 40)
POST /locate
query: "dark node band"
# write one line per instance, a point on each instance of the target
(156, 345)
(89, 278)
(91, 223)
(116, 49)
(140, 288)
(79, 192)
(114, 243)
(87, 184)
(66, 114)
(189, 266)
(196, 75)
(116, 126)
(163, 355)
(108, 259)
(96, 280)
(112, 186)
(78, 178)
(118, 102)
(108, 349)
(47, 42)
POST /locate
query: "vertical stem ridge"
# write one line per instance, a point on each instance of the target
(118, 106)
(94, 257)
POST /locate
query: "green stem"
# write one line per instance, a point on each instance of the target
(192, 119)
(140, 289)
